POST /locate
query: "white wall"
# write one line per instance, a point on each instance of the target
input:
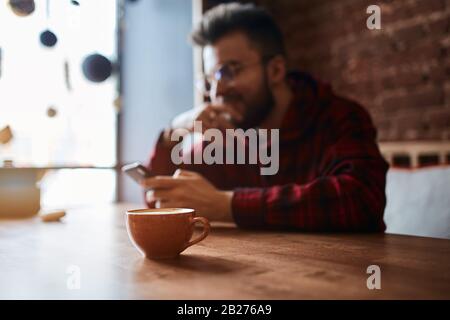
(157, 77)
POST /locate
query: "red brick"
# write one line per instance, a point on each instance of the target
(399, 73)
(404, 10)
(438, 119)
(414, 100)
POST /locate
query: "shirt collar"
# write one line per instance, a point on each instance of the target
(309, 99)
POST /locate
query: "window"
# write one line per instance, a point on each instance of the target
(57, 116)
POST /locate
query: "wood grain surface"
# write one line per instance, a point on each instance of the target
(37, 261)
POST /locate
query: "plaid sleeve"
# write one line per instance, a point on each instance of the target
(159, 162)
(348, 195)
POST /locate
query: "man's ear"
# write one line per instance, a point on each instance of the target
(276, 70)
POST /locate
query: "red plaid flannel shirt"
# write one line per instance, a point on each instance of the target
(331, 174)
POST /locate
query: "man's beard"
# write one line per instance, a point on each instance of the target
(256, 111)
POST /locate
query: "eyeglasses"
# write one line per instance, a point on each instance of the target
(227, 73)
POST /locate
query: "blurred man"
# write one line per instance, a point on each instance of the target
(331, 175)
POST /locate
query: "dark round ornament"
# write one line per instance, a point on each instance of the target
(22, 8)
(97, 68)
(48, 38)
(52, 112)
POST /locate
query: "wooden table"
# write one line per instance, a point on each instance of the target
(39, 260)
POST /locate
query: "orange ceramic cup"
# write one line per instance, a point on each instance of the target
(163, 233)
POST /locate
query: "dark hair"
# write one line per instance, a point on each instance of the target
(255, 22)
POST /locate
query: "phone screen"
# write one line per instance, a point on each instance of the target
(137, 171)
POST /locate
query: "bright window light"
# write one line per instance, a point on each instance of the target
(33, 85)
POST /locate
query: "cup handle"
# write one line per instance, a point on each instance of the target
(206, 228)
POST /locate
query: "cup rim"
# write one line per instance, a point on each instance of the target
(160, 212)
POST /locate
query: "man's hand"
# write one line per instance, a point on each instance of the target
(188, 189)
(219, 116)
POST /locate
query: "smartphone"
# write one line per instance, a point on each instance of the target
(137, 171)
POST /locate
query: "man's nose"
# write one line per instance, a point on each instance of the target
(221, 89)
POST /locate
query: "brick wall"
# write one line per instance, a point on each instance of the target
(399, 73)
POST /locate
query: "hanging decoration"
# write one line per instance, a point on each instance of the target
(67, 75)
(22, 8)
(6, 135)
(97, 68)
(52, 112)
(117, 104)
(48, 38)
